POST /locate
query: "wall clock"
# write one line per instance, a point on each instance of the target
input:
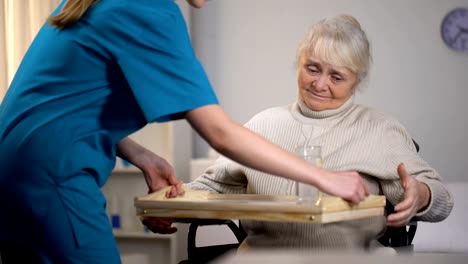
(454, 29)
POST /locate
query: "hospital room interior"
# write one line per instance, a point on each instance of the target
(248, 50)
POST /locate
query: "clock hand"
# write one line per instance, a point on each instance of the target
(459, 33)
(462, 29)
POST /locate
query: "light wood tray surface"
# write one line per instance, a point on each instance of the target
(206, 205)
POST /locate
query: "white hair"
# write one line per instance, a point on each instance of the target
(338, 41)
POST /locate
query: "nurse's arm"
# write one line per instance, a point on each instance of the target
(157, 171)
(244, 146)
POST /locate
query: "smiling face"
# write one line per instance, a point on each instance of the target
(323, 86)
(333, 60)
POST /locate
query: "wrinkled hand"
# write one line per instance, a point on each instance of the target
(345, 184)
(416, 197)
(159, 225)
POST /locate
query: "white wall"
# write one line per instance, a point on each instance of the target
(248, 50)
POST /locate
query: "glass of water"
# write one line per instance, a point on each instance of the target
(313, 155)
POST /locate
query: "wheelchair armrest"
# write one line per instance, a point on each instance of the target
(207, 253)
(236, 230)
(398, 236)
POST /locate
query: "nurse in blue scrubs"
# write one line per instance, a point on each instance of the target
(97, 72)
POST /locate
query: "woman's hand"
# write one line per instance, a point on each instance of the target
(345, 184)
(417, 197)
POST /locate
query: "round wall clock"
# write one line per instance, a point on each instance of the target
(454, 29)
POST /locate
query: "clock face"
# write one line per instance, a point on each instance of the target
(454, 29)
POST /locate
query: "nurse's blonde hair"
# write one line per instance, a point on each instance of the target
(70, 13)
(339, 41)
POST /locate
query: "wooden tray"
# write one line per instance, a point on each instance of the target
(206, 205)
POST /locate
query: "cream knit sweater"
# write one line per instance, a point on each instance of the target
(352, 137)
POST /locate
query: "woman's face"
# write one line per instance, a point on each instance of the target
(323, 86)
(196, 3)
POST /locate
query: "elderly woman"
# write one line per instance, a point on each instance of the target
(332, 62)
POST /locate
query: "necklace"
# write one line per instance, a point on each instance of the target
(307, 138)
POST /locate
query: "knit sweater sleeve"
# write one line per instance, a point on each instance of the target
(401, 149)
(225, 176)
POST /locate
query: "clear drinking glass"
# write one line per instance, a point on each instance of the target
(313, 155)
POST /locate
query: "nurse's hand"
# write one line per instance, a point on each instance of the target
(345, 184)
(159, 225)
(159, 174)
(157, 171)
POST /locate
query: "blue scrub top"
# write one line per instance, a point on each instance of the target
(79, 91)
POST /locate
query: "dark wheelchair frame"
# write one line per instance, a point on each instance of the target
(400, 238)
